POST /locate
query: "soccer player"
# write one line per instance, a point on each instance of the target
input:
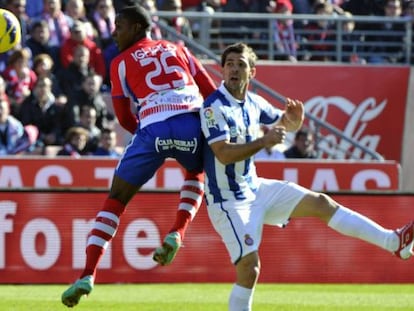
(239, 202)
(164, 80)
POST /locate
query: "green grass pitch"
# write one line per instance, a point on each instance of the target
(212, 297)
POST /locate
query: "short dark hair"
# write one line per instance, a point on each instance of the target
(38, 24)
(239, 48)
(303, 132)
(136, 14)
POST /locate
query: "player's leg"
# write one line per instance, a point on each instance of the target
(247, 273)
(136, 167)
(187, 150)
(240, 226)
(191, 196)
(103, 231)
(351, 223)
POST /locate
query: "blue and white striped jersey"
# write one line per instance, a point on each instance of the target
(225, 118)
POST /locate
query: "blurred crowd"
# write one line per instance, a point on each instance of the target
(54, 87)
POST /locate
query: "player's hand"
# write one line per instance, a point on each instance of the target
(294, 112)
(273, 136)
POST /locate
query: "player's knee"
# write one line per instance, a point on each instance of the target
(322, 200)
(248, 270)
(325, 205)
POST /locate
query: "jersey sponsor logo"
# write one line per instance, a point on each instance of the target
(181, 145)
(209, 116)
(174, 98)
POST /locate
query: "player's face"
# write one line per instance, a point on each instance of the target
(125, 33)
(237, 74)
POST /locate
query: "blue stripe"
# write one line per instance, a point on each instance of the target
(234, 231)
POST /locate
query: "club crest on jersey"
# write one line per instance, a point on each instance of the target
(233, 131)
(248, 240)
(209, 116)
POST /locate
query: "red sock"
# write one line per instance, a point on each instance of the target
(99, 238)
(191, 196)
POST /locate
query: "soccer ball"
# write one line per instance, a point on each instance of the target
(10, 33)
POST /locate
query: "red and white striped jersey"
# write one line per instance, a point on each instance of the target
(163, 79)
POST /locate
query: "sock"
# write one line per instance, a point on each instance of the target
(191, 196)
(353, 224)
(241, 299)
(104, 229)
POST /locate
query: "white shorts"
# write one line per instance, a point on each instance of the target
(240, 223)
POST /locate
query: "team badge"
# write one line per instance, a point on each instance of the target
(248, 240)
(233, 131)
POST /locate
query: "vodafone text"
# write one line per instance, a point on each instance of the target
(139, 234)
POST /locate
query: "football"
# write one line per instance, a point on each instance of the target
(10, 33)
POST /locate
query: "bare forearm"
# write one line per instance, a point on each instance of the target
(228, 153)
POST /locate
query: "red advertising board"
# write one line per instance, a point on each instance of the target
(61, 172)
(43, 235)
(367, 103)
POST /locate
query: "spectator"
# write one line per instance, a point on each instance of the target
(318, 43)
(14, 139)
(285, 40)
(41, 110)
(38, 43)
(75, 142)
(19, 77)
(107, 144)
(78, 37)
(87, 120)
(103, 19)
(88, 95)
(352, 42)
(42, 66)
(72, 77)
(303, 146)
(180, 23)
(387, 38)
(75, 9)
(253, 30)
(59, 27)
(208, 6)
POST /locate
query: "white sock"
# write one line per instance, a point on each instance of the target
(353, 224)
(241, 299)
